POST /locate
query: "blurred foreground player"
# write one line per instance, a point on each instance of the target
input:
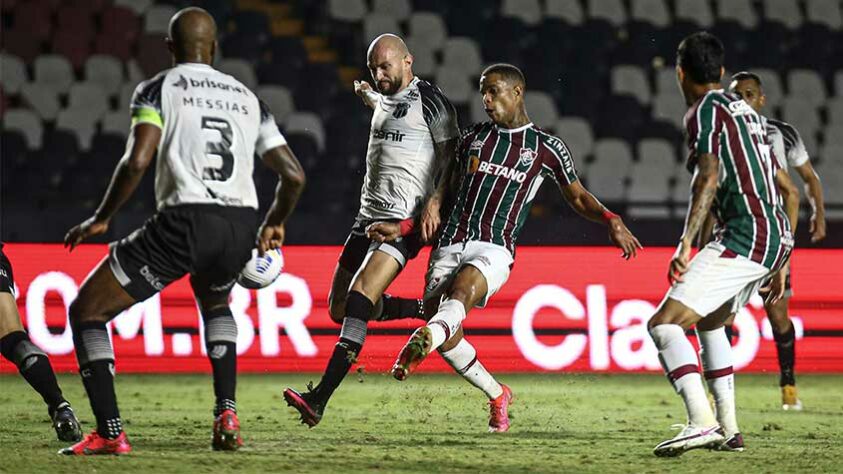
(205, 128)
(30, 360)
(413, 134)
(733, 170)
(499, 168)
(788, 149)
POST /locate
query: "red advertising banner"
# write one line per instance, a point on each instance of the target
(563, 309)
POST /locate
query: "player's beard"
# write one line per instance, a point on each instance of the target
(389, 86)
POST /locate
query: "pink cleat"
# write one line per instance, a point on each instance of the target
(499, 411)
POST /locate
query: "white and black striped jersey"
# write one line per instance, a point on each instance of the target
(211, 127)
(785, 143)
(400, 160)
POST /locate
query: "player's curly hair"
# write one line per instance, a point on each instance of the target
(701, 56)
(507, 71)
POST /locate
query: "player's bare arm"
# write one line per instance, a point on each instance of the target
(446, 161)
(140, 150)
(814, 191)
(290, 186)
(706, 233)
(703, 188)
(589, 207)
(790, 195)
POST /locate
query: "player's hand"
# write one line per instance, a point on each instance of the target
(679, 263)
(270, 237)
(623, 238)
(364, 90)
(430, 220)
(817, 228)
(383, 231)
(87, 229)
(775, 288)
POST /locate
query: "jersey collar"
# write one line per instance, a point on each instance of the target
(513, 130)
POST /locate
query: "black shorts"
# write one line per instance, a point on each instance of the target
(357, 246)
(211, 243)
(7, 278)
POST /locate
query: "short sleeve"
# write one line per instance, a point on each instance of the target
(146, 102)
(269, 136)
(777, 149)
(797, 154)
(557, 161)
(439, 114)
(704, 128)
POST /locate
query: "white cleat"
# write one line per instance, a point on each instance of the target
(790, 400)
(691, 437)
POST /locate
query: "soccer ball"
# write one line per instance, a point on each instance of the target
(260, 272)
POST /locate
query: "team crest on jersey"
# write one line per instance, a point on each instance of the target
(526, 157)
(401, 110)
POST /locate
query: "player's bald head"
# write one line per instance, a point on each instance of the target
(390, 63)
(387, 44)
(192, 31)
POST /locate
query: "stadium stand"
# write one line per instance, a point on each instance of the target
(600, 74)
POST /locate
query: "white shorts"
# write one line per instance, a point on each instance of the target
(714, 279)
(493, 261)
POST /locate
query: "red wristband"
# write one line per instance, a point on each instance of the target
(608, 215)
(407, 226)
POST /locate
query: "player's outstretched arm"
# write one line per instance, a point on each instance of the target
(589, 207)
(140, 150)
(814, 190)
(290, 186)
(790, 195)
(703, 188)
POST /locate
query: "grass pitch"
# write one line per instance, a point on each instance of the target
(561, 423)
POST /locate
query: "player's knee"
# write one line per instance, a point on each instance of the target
(76, 311)
(336, 311)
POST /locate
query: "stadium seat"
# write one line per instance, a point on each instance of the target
(105, 71)
(648, 193)
(120, 22)
(15, 151)
(612, 11)
(570, 12)
(477, 111)
(831, 174)
(670, 108)
(802, 114)
(279, 100)
(240, 69)
(33, 18)
(347, 10)
(152, 55)
(244, 44)
(42, 99)
(528, 11)
(157, 18)
(429, 28)
(807, 85)
(831, 154)
(54, 71)
(771, 83)
(694, 11)
(20, 43)
(456, 86)
(666, 82)
(462, 54)
(620, 117)
(810, 140)
(309, 123)
(80, 123)
(576, 133)
(117, 123)
(88, 96)
(631, 80)
(14, 73)
(608, 172)
(27, 123)
(75, 17)
(834, 110)
(138, 6)
(72, 45)
(541, 108)
(785, 12)
(127, 90)
(377, 24)
(424, 58)
(654, 12)
(110, 44)
(398, 9)
(739, 11)
(824, 12)
(249, 21)
(657, 154)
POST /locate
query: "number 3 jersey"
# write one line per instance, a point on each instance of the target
(211, 127)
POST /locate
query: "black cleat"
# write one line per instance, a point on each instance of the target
(308, 406)
(65, 423)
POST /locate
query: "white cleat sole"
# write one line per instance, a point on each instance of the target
(703, 438)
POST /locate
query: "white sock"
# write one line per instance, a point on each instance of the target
(680, 363)
(716, 356)
(463, 358)
(446, 322)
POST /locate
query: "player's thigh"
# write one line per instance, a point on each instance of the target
(672, 311)
(493, 262)
(717, 319)
(9, 317)
(101, 296)
(377, 272)
(469, 287)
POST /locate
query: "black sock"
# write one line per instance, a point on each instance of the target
(730, 333)
(33, 365)
(786, 349)
(221, 346)
(96, 365)
(400, 308)
(352, 336)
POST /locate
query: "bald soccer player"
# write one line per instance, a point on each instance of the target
(204, 127)
(413, 134)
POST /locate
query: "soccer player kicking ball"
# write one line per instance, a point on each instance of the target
(733, 169)
(205, 128)
(500, 166)
(789, 150)
(30, 360)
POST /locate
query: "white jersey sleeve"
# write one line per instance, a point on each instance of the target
(269, 136)
(439, 114)
(787, 144)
